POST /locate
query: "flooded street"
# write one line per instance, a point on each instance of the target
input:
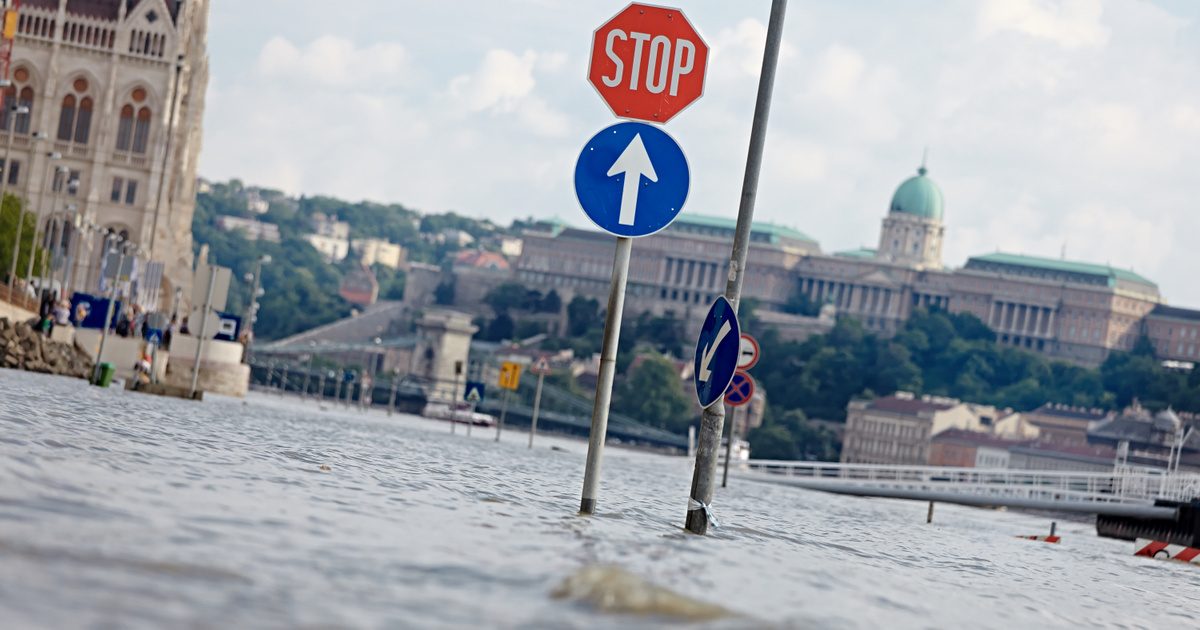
(119, 509)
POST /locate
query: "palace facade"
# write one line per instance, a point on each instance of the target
(1070, 310)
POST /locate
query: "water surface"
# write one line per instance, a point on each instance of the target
(120, 509)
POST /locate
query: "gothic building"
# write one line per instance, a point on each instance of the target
(115, 97)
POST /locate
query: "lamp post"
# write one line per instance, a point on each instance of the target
(37, 222)
(123, 246)
(14, 111)
(252, 310)
(62, 246)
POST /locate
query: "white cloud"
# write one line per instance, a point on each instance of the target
(1068, 23)
(743, 47)
(838, 74)
(333, 61)
(504, 84)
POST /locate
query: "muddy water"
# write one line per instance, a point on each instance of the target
(123, 510)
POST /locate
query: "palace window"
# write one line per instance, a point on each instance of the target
(133, 127)
(123, 188)
(19, 94)
(75, 116)
(12, 174)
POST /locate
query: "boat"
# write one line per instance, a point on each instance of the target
(461, 413)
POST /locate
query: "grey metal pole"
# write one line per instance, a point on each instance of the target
(503, 413)
(320, 388)
(212, 281)
(729, 446)
(12, 271)
(604, 380)
(307, 378)
(714, 416)
(392, 399)
(537, 405)
(162, 177)
(45, 274)
(929, 514)
(454, 405)
(37, 221)
(72, 248)
(112, 299)
(283, 380)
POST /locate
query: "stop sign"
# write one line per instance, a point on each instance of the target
(648, 63)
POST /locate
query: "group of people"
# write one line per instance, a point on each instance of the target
(53, 312)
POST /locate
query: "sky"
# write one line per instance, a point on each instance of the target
(1052, 126)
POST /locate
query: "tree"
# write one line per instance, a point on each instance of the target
(653, 394)
(552, 303)
(11, 208)
(509, 296)
(443, 294)
(500, 328)
(583, 314)
(771, 442)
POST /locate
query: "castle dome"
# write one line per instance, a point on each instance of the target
(918, 196)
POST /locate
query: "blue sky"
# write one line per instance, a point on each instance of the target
(1048, 122)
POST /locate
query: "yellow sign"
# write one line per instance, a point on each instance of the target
(10, 24)
(510, 375)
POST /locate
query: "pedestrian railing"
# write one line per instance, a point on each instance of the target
(1123, 485)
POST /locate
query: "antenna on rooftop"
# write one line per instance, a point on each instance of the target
(924, 159)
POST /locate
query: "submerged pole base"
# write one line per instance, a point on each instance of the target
(697, 522)
(587, 506)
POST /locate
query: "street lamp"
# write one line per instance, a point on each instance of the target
(14, 111)
(53, 155)
(252, 311)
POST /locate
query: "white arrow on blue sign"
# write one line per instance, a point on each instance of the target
(717, 350)
(632, 179)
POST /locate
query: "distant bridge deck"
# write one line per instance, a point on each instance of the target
(1124, 492)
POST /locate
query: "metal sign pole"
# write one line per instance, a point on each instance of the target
(503, 413)
(714, 416)
(608, 368)
(212, 281)
(537, 405)
(454, 398)
(108, 315)
(729, 446)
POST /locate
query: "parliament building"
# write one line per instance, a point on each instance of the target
(115, 96)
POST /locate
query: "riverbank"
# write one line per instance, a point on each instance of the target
(140, 511)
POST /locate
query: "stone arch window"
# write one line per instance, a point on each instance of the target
(75, 116)
(133, 127)
(20, 93)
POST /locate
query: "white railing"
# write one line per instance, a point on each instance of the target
(1126, 485)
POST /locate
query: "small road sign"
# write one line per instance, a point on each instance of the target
(740, 391)
(632, 179)
(748, 352)
(541, 366)
(510, 375)
(716, 352)
(474, 391)
(648, 63)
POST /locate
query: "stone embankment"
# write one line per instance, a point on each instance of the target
(24, 348)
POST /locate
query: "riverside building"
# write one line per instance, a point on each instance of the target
(117, 89)
(1068, 310)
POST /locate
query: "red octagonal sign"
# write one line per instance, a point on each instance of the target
(648, 63)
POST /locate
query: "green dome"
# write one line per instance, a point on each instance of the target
(918, 196)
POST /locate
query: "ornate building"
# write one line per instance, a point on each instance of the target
(116, 88)
(1069, 310)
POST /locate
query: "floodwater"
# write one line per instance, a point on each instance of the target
(124, 510)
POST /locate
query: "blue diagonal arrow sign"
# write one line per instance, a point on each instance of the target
(716, 352)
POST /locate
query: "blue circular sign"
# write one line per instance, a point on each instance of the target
(632, 179)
